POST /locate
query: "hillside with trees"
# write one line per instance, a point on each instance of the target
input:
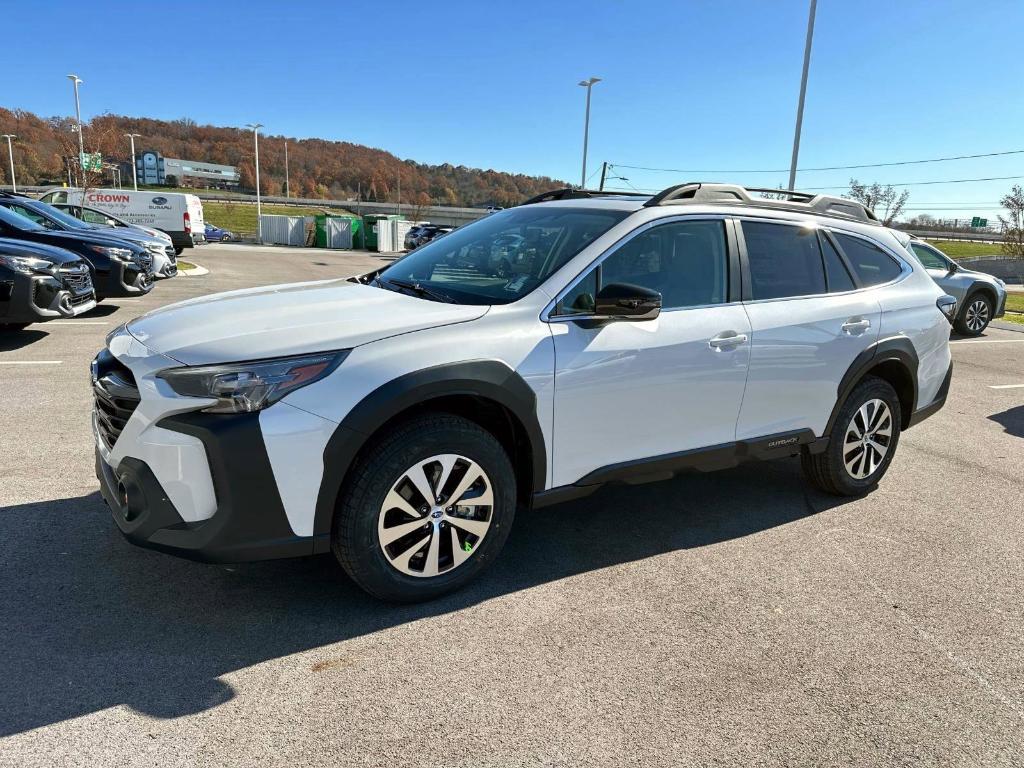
(317, 168)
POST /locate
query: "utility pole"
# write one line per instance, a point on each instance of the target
(10, 155)
(803, 92)
(604, 171)
(259, 209)
(399, 193)
(588, 84)
(287, 190)
(135, 175)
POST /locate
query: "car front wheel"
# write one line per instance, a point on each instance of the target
(429, 507)
(863, 441)
(976, 315)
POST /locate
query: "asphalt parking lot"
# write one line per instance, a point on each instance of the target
(736, 618)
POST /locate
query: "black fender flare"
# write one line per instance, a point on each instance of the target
(899, 349)
(489, 379)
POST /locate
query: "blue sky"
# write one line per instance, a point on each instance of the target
(705, 87)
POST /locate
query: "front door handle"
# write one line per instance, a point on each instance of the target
(727, 340)
(855, 326)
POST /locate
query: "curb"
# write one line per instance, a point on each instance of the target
(199, 271)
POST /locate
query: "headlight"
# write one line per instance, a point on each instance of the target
(247, 387)
(121, 254)
(26, 264)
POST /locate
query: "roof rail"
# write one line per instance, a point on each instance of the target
(805, 202)
(572, 193)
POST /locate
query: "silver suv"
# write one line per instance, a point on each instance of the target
(399, 419)
(980, 297)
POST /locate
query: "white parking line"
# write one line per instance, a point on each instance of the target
(1006, 386)
(988, 341)
(31, 362)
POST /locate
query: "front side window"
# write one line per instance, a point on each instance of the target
(785, 260)
(929, 258)
(93, 217)
(503, 257)
(685, 261)
(872, 265)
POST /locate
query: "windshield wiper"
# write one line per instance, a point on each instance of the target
(419, 290)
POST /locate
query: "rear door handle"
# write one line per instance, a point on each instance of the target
(727, 340)
(856, 326)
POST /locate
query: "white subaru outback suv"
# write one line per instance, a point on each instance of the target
(400, 418)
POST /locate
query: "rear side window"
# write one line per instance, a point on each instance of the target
(839, 279)
(872, 265)
(784, 260)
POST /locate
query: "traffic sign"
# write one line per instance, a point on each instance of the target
(977, 221)
(91, 161)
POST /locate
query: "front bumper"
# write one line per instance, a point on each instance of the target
(936, 405)
(123, 280)
(1000, 309)
(249, 522)
(37, 298)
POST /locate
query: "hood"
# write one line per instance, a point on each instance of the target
(51, 253)
(292, 319)
(56, 237)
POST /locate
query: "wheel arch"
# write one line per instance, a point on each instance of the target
(894, 360)
(487, 392)
(979, 286)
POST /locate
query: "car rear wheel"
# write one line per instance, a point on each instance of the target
(429, 507)
(862, 444)
(976, 315)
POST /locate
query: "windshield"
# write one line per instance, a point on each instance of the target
(503, 257)
(58, 215)
(18, 221)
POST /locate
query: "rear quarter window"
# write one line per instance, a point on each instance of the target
(872, 265)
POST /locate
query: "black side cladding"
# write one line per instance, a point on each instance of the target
(487, 379)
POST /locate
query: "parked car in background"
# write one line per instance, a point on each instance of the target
(178, 214)
(164, 263)
(215, 234)
(100, 218)
(117, 267)
(980, 297)
(39, 283)
(398, 419)
(424, 233)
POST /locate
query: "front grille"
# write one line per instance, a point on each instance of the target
(115, 396)
(76, 280)
(144, 261)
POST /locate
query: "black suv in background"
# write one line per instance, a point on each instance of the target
(40, 282)
(118, 268)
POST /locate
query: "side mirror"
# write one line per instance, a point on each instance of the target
(623, 301)
(953, 268)
(111, 223)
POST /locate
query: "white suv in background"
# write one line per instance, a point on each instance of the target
(400, 418)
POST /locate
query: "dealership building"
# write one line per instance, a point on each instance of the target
(155, 169)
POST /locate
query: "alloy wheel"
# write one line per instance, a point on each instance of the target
(435, 516)
(868, 438)
(977, 315)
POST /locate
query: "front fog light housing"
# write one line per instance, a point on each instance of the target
(252, 386)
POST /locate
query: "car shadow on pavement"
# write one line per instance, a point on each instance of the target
(1011, 420)
(102, 310)
(93, 622)
(11, 341)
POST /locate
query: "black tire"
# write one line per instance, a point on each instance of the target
(354, 538)
(178, 251)
(827, 470)
(977, 312)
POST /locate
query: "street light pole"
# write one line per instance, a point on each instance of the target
(287, 191)
(10, 155)
(803, 91)
(135, 176)
(588, 84)
(78, 116)
(259, 210)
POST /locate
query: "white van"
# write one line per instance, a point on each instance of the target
(178, 214)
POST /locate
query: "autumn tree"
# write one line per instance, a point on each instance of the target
(885, 202)
(1013, 222)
